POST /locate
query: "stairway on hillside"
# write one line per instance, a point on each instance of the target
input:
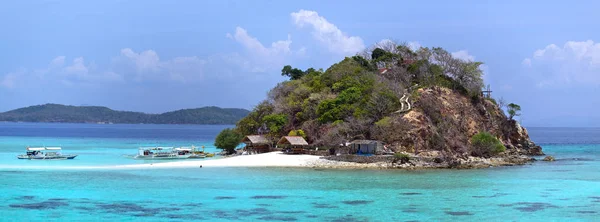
(404, 104)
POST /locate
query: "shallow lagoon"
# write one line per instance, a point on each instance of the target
(568, 189)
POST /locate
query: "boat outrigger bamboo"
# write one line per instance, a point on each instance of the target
(45, 153)
(169, 153)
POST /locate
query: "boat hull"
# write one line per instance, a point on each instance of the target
(160, 157)
(197, 156)
(61, 157)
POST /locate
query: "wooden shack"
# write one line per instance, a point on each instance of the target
(293, 144)
(366, 147)
(257, 144)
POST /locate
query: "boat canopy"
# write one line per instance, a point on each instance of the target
(183, 149)
(43, 148)
(36, 148)
(156, 148)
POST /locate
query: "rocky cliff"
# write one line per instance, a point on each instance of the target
(439, 128)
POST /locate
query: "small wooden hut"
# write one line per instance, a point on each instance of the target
(257, 144)
(366, 147)
(293, 144)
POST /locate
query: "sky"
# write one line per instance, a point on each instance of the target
(157, 56)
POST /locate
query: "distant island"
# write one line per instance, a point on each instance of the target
(57, 113)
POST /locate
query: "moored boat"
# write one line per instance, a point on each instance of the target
(45, 153)
(163, 153)
(170, 153)
(201, 153)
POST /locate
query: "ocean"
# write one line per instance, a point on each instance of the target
(567, 189)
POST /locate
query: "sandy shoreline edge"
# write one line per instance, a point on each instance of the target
(278, 159)
(273, 159)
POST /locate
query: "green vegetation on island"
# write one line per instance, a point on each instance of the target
(228, 140)
(99, 114)
(414, 100)
(513, 110)
(485, 144)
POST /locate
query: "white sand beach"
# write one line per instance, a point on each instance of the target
(273, 159)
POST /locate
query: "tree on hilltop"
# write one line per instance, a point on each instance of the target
(513, 110)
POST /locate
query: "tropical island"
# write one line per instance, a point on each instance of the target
(97, 114)
(389, 106)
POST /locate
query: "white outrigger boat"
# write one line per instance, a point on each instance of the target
(167, 153)
(45, 153)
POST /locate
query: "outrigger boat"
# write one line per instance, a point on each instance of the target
(164, 153)
(45, 153)
(200, 154)
(169, 153)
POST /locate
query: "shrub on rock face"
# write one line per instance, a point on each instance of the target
(297, 133)
(401, 157)
(484, 144)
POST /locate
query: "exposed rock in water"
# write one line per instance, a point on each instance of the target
(549, 158)
(416, 162)
(519, 139)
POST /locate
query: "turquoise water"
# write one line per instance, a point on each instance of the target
(97, 145)
(568, 189)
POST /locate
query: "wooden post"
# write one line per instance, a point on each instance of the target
(487, 92)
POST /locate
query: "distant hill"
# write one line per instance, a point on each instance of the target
(96, 114)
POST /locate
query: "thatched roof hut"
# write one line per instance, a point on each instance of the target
(293, 140)
(257, 144)
(294, 144)
(256, 140)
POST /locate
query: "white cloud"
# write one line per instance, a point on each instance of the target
(78, 68)
(147, 65)
(9, 80)
(526, 62)
(185, 68)
(57, 62)
(327, 33)
(414, 45)
(463, 55)
(385, 42)
(573, 63)
(14, 79)
(58, 72)
(252, 44)
(79, 71)
(146, 61)
(259, 58)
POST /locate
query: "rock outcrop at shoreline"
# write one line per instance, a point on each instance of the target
(416, 162)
